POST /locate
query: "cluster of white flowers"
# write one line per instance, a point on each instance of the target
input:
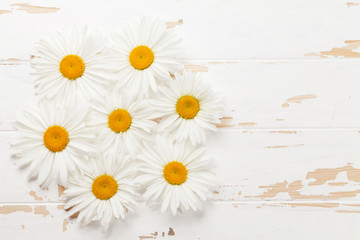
(111, 122)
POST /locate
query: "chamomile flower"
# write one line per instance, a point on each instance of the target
(71, 66)
(104, 192)
(53, 141)
(121, 123)
(145, 52)
(188, 107)
(176, 176)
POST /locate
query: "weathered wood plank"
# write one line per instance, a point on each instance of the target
(252, 165)
(218, 29)
(227, 221)
(257, 94)
(287, 149)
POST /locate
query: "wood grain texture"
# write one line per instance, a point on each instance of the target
(217, 29)
(233, 221)
(302, 94)
(315, 160)
(287, 148)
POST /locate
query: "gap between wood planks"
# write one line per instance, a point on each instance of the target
(17, 61)
(337, 206)
(210, 202)
(269, 130)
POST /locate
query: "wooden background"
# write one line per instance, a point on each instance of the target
(287, 151)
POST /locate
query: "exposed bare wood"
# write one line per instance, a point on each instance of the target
(34, 9)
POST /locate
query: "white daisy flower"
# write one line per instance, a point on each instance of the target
(121, 123)
(71, 66)
(188, 106)
(145, 52)
(176, 176)
(106, 191)
(53, 141)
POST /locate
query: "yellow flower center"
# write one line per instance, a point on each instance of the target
(119, 120)
(187, 107)
(175, 173)
(72, 67)
(141, 57)
(56, 138)
(104, 187)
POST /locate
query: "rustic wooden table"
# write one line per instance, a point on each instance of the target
(287, 150)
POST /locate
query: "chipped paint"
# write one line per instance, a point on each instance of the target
(347, 211)
(279, 146)
(285, 146)
(304, 204)
(344, 194)
(12, 61)
(15, 208)
(345, 51)
(246, 124)
(196, 68)
(269, 205)
(279, 119)
(285, 132)
(156, 234)
(60, 207)
(337, 183)
(65, 223)
(22, 227)
(328, 205)
(41, 210)
(61, 190)
(171, 232)
(5, 11)
(285, 105)
(351, 4)
(313, 54)
(36, 197)
(35, 9)
(352, 205)
(274, 189)
(75, 215)
(175, 24)
(225, 122)
(282, 187)
(323, 175)
(298, 99)
(223, 193)
(322, 205)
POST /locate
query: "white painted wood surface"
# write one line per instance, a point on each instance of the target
(288, 148)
